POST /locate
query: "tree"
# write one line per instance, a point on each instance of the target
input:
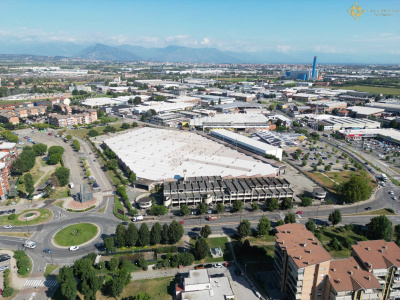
(55, 158)
(286, 203)
(201, 248)
(310, 225)
(144, 235)
(134, 124)
(67, 283)
(346, 166)
(290, 218)
(254, 206)
(304, 163)
(143, 263)
(272, 204)
(112, 164)
(334, 244)
(238, 205)
(280, 222)
(175, 232)
(120, 233)
(93, 133)
(263, 226)
(335, 217)
(220, 207)
(142, 296)
(306, 201)
(76, 144)
(55, 149)
(39, 149)
(132, 177)
(244, 228)
(202, 208)
(109, 244)
(117, 286)
(164, 234)
(328, 167)
(28, 179)
(155, 234)
(109, 128)
(356, 189)
(158, 210)
(62, 175)
(380, 228)
(205, 231)
(184, 210)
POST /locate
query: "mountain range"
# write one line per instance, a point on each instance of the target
(179, 54)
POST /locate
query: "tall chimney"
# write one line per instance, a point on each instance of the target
(313, 68)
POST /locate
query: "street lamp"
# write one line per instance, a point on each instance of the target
(26, 222)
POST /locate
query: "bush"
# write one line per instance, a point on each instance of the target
(12, 217)
(23, 262)
(388, 209)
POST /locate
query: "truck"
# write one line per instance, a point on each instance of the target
(29, 244)
(212, 218)
(71, 185)
(384, 177)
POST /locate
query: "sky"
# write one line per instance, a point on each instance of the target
(289, 27)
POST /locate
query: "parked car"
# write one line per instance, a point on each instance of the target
(208, 266)
(368, 208)
(199, 267)
(137, 218)
(196, 229)
(300, 212)
(8, 226)
(218, 265)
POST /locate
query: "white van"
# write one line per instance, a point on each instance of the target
(137, 218)
(71, 185)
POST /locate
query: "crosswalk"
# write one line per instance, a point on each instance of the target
(48, 283)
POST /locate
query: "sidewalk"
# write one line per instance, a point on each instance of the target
(16, 282)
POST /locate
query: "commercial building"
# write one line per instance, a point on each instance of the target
(326, 105)
(213, 189)
(343, 123)
(388, 106)
(285, 120)
(232, 121)
(243, 97)
(241, 107)
(305, 97)
(96, 102)
(303, 269)
(284, 141)
(247, 143)
(162, 107)
(300, 75)
(209, 100)
(388, 134)
(199, 286)
(160, 154)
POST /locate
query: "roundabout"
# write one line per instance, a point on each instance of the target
(75, 235)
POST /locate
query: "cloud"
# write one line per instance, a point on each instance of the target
(283, 48)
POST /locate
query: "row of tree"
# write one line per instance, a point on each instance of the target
(131, 236)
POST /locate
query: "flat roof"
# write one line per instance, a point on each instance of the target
(231, 119)
(197, 277)
(390, 133)
(159, 154)
(365, 110)
(5, 145)
(103, 101)
(220, 289)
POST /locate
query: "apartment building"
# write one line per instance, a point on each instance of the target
(5, 158)
(10, 148)
(4, 185)
(7, 117)
(79, 116)
(301, 263)
(382, 260)
(214, 189)
(303, 269)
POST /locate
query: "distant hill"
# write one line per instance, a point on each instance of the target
(104, 52)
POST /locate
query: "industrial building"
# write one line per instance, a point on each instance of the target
(364, 111)
(232, 121)
(247, 143)
(92, 102)
(326, 105)
(241, 107)
(388, 106)
(208, 100)
(160, 154)
(284, 141)
(162, 107)
(303, 269)
(213, 189)
(343, 123)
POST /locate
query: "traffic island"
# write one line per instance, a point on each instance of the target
(76, 235)
(27, 217)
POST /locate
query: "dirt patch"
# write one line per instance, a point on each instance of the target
(30, 215)
(72, 204)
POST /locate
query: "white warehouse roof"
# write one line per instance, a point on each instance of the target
(159, 154)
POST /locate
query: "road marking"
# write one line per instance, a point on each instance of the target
(41, 283)
(33, 295)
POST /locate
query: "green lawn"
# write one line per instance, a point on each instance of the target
(35, 175)
(341, 177)
(158, 288)
(118, 205)
(378, 212)
(76, 234)
(371, 89)
(82, 133)
(264, 240)
(216, 242)
(50, 269)
(45, 215)
(102, 210)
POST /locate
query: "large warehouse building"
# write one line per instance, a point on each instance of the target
(342, 123)
(160, 154)
(388, 134)
(232, 121)
(247, 143)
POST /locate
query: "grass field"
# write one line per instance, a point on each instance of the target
(379, 212)
(370, 89)
(82, 133)
(341, 177)
(158, 288)
(101, 210)
(76, 234)
(45, 215)
(35, 175)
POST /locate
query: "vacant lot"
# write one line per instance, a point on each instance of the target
(338, 177)
(221, 242)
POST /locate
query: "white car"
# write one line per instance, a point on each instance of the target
(391, 193)
(8, 226)
(73, 248)
(218, 266)
(394, 197)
